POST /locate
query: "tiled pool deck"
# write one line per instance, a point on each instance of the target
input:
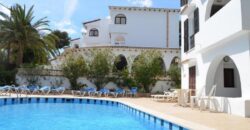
(193, 119)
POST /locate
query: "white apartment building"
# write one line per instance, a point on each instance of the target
(128, 32)
(135, 27)
(216, 51)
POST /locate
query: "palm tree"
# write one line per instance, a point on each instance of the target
(19, 33)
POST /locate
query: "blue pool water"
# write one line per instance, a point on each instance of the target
(75, 116)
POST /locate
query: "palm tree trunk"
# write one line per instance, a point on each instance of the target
(8, 53)
(20, 56)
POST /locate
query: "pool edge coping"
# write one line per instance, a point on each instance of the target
(172, 119)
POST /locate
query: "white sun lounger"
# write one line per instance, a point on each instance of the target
(5, 90)
(166, 96)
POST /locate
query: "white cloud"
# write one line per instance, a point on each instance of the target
(143, 3)
(83, 30)
(66, 24)
(69, 8)
(108, 17)
(4, 10)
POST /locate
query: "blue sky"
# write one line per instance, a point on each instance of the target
(68, 15)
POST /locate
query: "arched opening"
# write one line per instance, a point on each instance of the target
(157, 61)
(214, 6)
(120, 63)
(119, 40)
(160, 61)
(175, 61)
(93, 32)
(224, 74)
(120, 19)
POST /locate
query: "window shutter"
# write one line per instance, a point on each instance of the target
(196, 20)
(186, 36)
(180, 34)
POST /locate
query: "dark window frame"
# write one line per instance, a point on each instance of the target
(120, 19)
(192, 42)
(196, 21)
(183, 2)
(186, 35)
(229, 78)
(180, 35)
(93, 32)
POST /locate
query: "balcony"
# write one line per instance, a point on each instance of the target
(231, 20)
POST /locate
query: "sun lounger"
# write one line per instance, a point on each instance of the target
(166, 96)
(23, 89)
(45, 90)
(133, 91)
(118, 91)
(103, 91)
(91, 91)
(58, 90)
(5, 90)
(33, 89)
(83, 91)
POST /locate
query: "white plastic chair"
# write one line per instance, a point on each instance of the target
(207, 98)
(195, 99)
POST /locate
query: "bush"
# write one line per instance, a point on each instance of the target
(7, 74)
(7, 77)
(73, 68)
(100, 66)
(146, 68)
(174, 73)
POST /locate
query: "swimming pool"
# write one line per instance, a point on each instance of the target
(76, 114)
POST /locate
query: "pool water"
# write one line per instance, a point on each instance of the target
(72, 116)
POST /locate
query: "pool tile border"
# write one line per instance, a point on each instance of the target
(152, 118)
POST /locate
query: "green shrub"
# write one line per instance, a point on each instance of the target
(146, 68)
(100, 66)
(174, 73)
(73, 68)
(7, 77)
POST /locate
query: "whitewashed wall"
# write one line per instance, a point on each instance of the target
(144, 28)
(223, 34)
(159, 87)
(103, 28)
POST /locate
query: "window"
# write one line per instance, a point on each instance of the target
(120, 19)
(192, 42)
(228, 78)
(76, 46)
(183, 2)
(186, 36)
(196, 21)
(215, 9)
(93, 33)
